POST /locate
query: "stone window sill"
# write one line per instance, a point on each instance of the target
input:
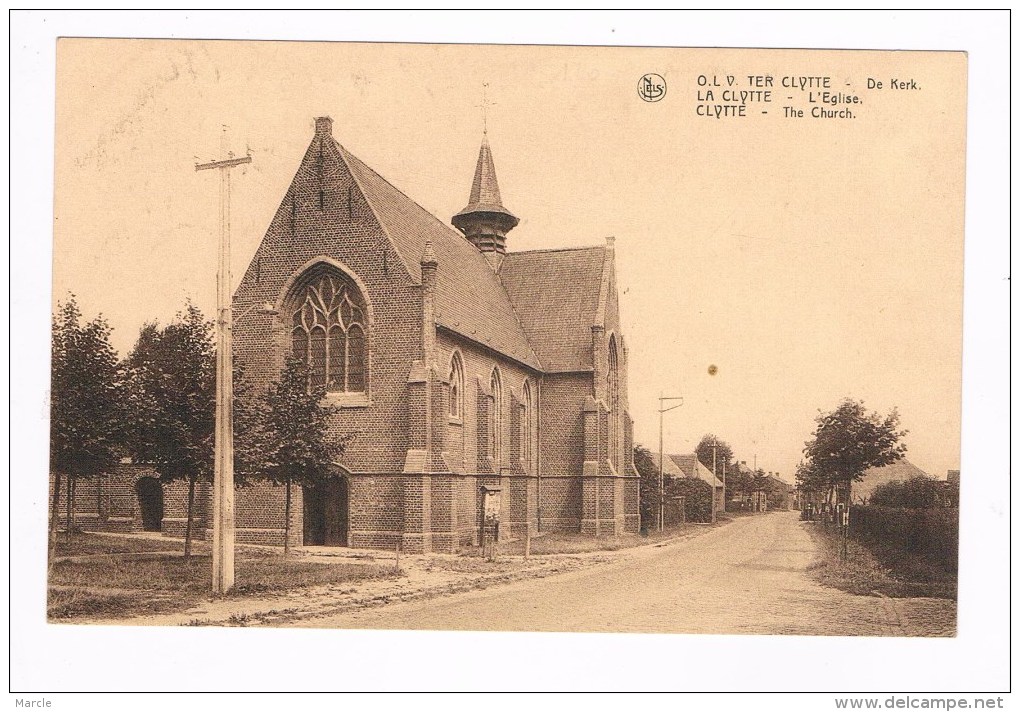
(348, 400)
(454, 420)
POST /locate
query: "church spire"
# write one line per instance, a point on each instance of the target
(485, 222)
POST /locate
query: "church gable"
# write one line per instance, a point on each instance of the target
(324, 213)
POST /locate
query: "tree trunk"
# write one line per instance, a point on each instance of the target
(187, 526)
(286, 522)
(55, 516)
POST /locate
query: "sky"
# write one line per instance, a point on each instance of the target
(808, 260)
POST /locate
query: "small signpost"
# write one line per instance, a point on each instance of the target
(681, 508)
(490, 521)
(845, 521)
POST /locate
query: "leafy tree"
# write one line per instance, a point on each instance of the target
(697, 496)
(697, 493)
(294, 439)
(808, 478)
(173, 405)
(644, 463)
(87, 398)
(846, 442)
(723, 455)
(739, 480)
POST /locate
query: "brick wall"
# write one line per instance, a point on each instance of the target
(110, 502)
(376, 514)
(175, 509)
(562, 449)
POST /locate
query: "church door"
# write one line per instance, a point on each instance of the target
(325, 513)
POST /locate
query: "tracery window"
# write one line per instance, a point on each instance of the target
(496, 441)
(614, 402)
(328, 333)
(456, 387)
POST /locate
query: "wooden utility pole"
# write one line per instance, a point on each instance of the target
(662, 401)
(724, 485)
(715, 446)
(223, 479)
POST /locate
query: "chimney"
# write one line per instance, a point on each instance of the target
(323, 126)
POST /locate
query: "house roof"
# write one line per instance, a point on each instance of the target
(669, 468)
(556, 296)
(901, 470)
(779, 481)
(470, 298)
(691, 466)
(684, 466)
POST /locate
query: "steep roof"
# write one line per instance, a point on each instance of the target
(485, 196)
(899, 471)
(470, 299)
(669, 468)
(692, 467)
(556, 296)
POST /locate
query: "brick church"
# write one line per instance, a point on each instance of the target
(457, 366)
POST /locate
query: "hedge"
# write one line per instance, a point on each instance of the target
(932, 534)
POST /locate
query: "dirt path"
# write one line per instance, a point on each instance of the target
(748, 577)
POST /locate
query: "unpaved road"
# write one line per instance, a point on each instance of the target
(746, 578)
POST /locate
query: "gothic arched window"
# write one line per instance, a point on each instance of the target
(614, 402)
(328, 332)
(456, 387)
(526, 434)
(496, 441)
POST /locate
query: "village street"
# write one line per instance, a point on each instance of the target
(749, 577)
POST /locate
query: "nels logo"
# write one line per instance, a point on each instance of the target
(651, 87)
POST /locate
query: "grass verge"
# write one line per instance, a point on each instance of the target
(865, 571)
(112, 587)
(90, 544)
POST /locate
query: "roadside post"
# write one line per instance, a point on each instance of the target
(846, 533)
(490, 521)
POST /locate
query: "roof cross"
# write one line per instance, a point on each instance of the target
(484, 106)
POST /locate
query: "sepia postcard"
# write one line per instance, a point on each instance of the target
(482, 337)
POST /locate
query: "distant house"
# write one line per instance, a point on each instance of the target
(675, 466)
(672, 513)
(669, 466)
(781, 494)
(692, 467)
(899, 471)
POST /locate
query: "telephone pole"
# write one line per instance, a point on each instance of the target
(715, 446)
(724, 485)
(223, 479)
(662, 400)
